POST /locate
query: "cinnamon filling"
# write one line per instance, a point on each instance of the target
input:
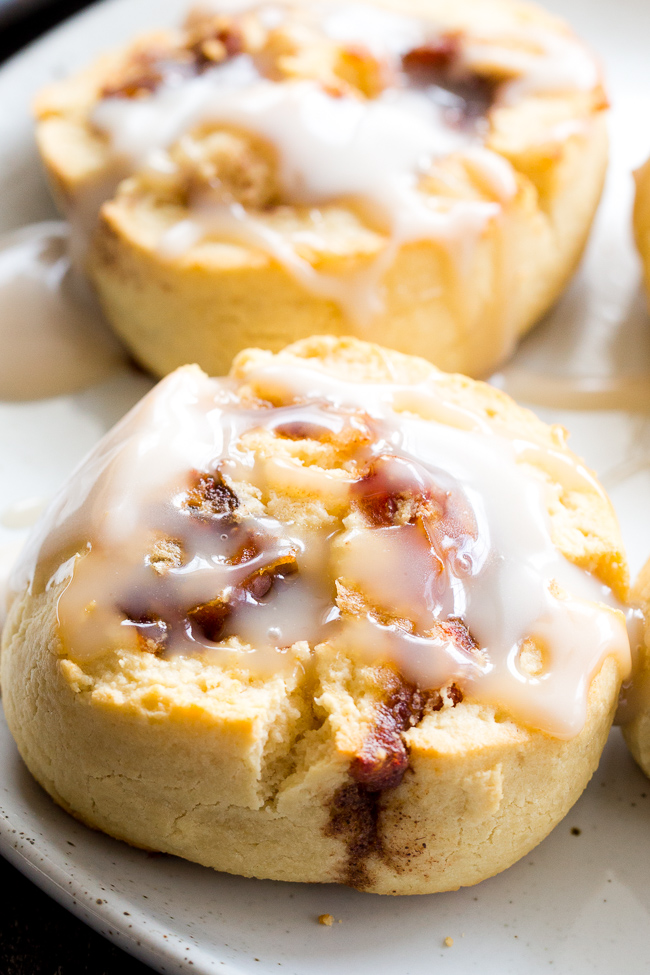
(435, 66)
(314, 108)
(383, 758)
(355, 810)
(390, 492)
(309, 510)
(206, 43)
(210, 496)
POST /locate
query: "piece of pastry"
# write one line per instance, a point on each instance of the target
(635, 704)
(642, 218)
(336, 617)
(420, 173)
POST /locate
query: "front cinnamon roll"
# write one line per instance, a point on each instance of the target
(336, 617)
(634, 713)
(420, 174)
(642, 218)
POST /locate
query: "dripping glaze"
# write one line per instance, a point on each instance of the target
(181, 480)
(332, 147)
(52, 335)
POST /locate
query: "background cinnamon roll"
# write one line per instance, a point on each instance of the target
(336, 617)
(423, 174)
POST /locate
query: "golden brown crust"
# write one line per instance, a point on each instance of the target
(642, 218)
(231, 295)
(268, 793)
(636, 696)
(332, 770)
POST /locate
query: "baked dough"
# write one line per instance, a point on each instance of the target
(335, 760)
(642, 218)
(635, 710)
(243, 231)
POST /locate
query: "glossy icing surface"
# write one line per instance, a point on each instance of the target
(51, 333)
(420, 93)
(432, 548)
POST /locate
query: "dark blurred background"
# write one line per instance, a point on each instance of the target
(22, 21)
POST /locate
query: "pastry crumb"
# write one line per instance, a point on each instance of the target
(449, 942)
(326, 919)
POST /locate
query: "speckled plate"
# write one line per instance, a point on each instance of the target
(580, 903)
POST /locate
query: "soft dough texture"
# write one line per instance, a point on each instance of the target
(636, 711)
(251, 774)
(461, 303)
(642, 218)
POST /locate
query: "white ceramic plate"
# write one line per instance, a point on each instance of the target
(580, 903)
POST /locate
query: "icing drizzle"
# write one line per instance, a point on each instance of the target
(428, 544)
(335, 145)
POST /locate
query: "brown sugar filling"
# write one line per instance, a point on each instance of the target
(211, 503)
(380, 764)
(210, 496)
(217, 163)
(383, 758)
(207, 42)
(438, 65)
(208, 523)
(389, 492)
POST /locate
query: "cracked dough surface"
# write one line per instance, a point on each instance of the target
(250, 774)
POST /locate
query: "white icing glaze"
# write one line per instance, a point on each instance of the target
(540, 62)
(341, 149)
(380, 31)
(480, 550)
(331, 149)
(51, 334)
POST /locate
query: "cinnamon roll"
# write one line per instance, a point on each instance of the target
(337, 617)
(420, 173)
